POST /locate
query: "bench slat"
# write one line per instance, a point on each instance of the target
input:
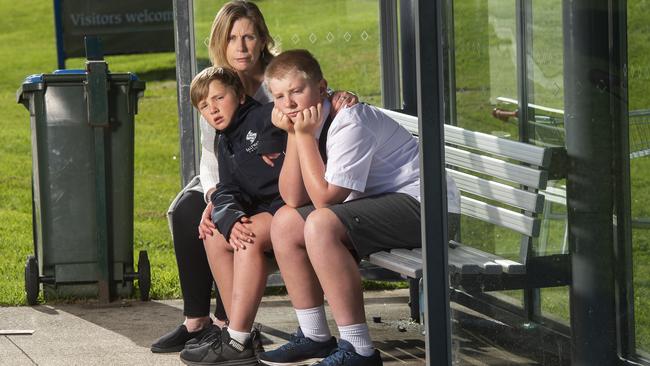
(467, 262)
(520, 151)
(398, 264)
(489, 169)
(498, 191)
(509, 266)
(412, 254)
(487, 266)
(497, 168)
(500, 216)
(510, 149)
(555, 195)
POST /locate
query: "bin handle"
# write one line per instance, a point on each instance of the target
(97, 93)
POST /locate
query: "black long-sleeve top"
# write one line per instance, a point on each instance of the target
(247, 185)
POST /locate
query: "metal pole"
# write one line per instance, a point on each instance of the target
(185, 70)
(407, 41)
(591, 111)
(449, 63)
(524, 13)
(58, 34)
(98, 119)
(430, 104)
(623, 205)
(524, 56)
(390, 79)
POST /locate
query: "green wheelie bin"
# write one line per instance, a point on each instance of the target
(82, 137)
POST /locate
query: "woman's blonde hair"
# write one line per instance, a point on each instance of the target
(222, 25)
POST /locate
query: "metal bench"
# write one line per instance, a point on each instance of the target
(500, 182)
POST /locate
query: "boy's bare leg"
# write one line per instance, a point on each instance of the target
(336, 268)
(220, 257)
(287, 235)
(249, 278)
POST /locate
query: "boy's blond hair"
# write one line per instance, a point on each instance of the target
(222, 25)
(301, 61)
(201, 83)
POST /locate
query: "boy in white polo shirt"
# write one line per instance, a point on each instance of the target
(352, 188)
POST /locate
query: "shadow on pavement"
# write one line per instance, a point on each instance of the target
(141, 322)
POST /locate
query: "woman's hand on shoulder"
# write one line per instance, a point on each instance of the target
(341, 99)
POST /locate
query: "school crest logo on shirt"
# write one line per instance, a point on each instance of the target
(251, 136)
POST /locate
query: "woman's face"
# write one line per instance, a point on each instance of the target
(244, 46)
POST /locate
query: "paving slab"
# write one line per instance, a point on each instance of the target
(120, 333)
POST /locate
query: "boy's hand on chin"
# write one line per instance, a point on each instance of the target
(281, 120)
(309, 120)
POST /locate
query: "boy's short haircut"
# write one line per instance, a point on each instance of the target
(201, 83)
(301, 61)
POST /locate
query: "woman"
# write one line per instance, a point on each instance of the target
(239, 39)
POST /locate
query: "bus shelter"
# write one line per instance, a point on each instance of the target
(566, 74)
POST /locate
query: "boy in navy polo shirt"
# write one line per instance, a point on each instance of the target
(249, 152)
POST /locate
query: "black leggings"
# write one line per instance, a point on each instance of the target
(193, 268)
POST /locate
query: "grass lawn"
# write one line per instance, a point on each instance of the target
(28, 47)
(344, 36)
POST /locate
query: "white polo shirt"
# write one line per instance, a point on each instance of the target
(369, 153)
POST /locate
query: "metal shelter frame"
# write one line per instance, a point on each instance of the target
(417, 61)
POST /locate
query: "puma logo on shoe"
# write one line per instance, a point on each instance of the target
(236, 345)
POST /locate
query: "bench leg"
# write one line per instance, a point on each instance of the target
(414, 298)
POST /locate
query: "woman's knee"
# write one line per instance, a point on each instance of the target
(188, 209)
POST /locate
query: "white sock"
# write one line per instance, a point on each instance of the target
(313, 323)
(359, 336)
(240, 337)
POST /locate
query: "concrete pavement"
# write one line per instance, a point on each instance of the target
(121, 333)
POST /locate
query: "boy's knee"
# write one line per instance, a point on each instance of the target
(286, 228)
(284, 220)
(216, 244)
(320, 223)
(254, 251)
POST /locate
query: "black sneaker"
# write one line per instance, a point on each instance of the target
(212, 333)
(223, 351)
(215, 333)
(256, 340)
(345, 355)
(299, 351)
(175, 340)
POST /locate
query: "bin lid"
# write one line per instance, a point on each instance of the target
(37, 82)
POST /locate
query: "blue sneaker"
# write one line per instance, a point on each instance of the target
(345, 355)
(299, 351)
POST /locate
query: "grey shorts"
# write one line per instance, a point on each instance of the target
(382, 222)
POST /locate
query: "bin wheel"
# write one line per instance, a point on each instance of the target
(144, 275)
(31, 280)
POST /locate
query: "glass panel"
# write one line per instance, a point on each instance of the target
(485, 50)
(546, 128)
(546, 92)
(344, 37)
(486, 79)
(639, 121)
